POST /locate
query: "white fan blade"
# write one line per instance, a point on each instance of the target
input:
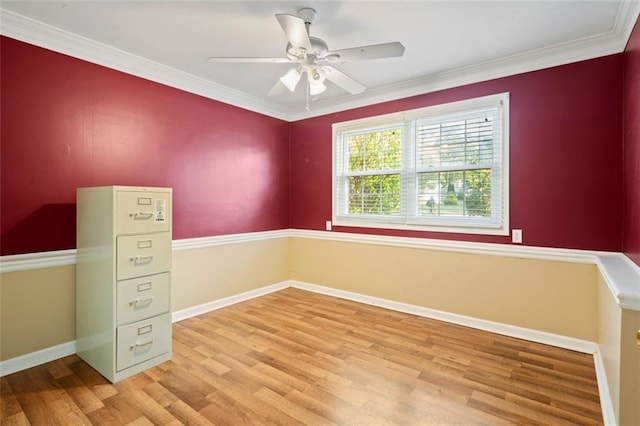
(374, 51)
(342, 80)
(295, 29)
(239, 60)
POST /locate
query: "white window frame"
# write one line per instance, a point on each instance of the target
(408, 218)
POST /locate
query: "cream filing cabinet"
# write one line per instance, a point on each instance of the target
(123, 278)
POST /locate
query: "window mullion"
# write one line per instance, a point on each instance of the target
(409, 195)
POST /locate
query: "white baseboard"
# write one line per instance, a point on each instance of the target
(565, 342)
(40, 357)
(227, 301)
(606, 403)
(33, 359)
(584, 346)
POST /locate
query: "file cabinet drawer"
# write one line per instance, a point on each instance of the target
(142, 212)
(143, 340)
(142, 298)
(139, 255)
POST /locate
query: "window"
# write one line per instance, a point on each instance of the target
(441, 168)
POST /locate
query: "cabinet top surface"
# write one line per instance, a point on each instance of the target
(126, 188)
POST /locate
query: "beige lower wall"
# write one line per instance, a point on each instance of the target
(38, 306)
(37, 310)
(208, 274)
(554, 297)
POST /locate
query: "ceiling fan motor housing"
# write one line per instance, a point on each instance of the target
(310, 54)
(307, 14)
(318, 49)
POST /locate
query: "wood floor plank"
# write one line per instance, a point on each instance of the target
(18, 419)
(43, 400)
(296, 357)
(160, 394)
(9, 405)
(298, 412)
(150, 409)
(82, 396)
(579, 417)
(187, 415)
(443, 410)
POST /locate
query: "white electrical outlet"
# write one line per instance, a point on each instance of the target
(516, 236)
(328, 225)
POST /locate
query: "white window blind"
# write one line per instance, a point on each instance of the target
(441, 168)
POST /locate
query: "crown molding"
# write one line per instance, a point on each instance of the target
(560, 54)
(43, 35)
(628, 15)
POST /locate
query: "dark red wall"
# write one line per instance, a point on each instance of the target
(631, 228)
(67, 123)
(566, 156)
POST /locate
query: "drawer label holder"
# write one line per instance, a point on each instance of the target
(144, 329)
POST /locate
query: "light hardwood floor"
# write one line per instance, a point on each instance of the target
(294, 357)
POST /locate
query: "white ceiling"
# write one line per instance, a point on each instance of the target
(447, 43)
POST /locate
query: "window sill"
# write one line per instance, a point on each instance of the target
(475, 230)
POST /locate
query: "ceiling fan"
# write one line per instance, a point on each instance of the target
(311, 53)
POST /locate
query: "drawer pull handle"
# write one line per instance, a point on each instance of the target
(138, 301)
(140, 344)
(141, 259)
(141, 215)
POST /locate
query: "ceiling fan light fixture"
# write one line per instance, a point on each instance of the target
(316, 74)
(315, 88)
(316, 77)
(291, 79)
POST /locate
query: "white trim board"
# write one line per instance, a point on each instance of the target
(52, 259)
(492, 249)
(606, 403)
(220, 240)
(36, 358)
(621, 274)
(226, 301)
(584, 346)
(40, 34)
(30, 261)
(557, 340)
